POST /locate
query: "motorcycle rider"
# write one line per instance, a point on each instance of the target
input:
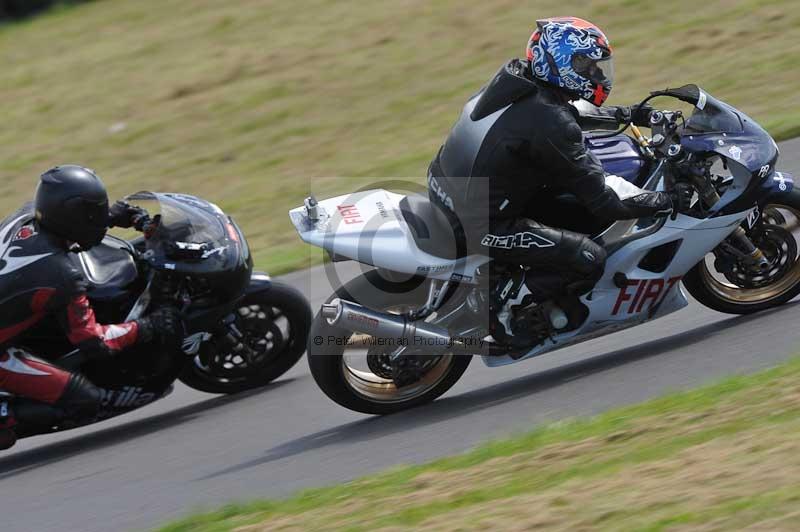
(520, 138)
(38, 278)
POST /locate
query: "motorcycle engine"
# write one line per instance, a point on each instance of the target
(519, 320)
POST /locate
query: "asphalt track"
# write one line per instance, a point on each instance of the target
(194, 450)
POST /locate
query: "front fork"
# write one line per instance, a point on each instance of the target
(740, 245)
(233, 339)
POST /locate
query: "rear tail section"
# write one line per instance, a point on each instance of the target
(370, 227)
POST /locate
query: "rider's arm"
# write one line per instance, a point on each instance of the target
(78, 320)
(564, 152)
(590, 117)
(125, 215)
(610, 117)
(84, 332)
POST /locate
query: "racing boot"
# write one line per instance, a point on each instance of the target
(8, 435)
(78, 405)
(33, 417)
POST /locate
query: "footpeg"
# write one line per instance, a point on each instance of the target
(558, 318)
(620, 280)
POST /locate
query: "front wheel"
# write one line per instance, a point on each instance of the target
(743, 290)
(274, 324)
(354, 371)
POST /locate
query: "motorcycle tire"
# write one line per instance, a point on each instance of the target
(295, 308)
(353, 389)
(727, 298)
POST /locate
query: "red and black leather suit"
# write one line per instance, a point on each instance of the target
(37, 279)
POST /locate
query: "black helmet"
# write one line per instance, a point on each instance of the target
(72, 202)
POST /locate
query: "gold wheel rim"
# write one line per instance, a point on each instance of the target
(726, 290)
(378, 389)
(367, 384)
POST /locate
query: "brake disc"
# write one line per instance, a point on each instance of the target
(403, 370)
(261, 332)
(380, 364)
(780, 248)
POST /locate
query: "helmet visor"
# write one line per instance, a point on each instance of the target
(88, 221)
(598, 70)
(91, 213)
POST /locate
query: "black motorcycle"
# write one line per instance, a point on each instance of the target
(243, 330)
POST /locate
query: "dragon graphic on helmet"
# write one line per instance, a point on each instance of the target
(573, 55)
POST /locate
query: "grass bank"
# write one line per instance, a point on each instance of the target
(254, 103)
(722, 457)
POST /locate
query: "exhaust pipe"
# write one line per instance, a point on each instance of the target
(360, 319)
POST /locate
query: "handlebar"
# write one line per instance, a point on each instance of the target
(688, 93)
(148, 225)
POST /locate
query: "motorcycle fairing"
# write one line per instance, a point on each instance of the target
(781, 183)
(368, 227)
(117, 401)
(613, 308)
(188, 221)
(259, 282)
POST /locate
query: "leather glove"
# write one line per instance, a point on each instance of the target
(163, 325)
(639, 116)
(657, 204)
(681, 195)
(150, 226)
(125, 215)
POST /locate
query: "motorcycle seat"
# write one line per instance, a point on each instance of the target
(432, 230)
(109, 263)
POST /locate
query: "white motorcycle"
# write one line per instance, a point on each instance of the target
(381, 344)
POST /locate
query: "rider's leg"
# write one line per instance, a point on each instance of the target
(563, 260)
(57, 393)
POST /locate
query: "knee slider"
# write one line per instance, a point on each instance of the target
(591, 260)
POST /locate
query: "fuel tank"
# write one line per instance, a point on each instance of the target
(620, 156)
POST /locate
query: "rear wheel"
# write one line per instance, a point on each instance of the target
(741, 289)
(356, 373)
(274, 325)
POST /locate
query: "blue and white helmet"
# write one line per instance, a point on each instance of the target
(573, 55)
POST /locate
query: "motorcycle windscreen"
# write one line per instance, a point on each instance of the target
(715, 126)
(189, 231)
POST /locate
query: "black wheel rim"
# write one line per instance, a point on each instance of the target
(266, 330)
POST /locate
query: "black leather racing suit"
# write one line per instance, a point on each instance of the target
(516, 139)
(38, 278)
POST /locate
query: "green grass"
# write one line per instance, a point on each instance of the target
(256, 103)
(724, 455)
